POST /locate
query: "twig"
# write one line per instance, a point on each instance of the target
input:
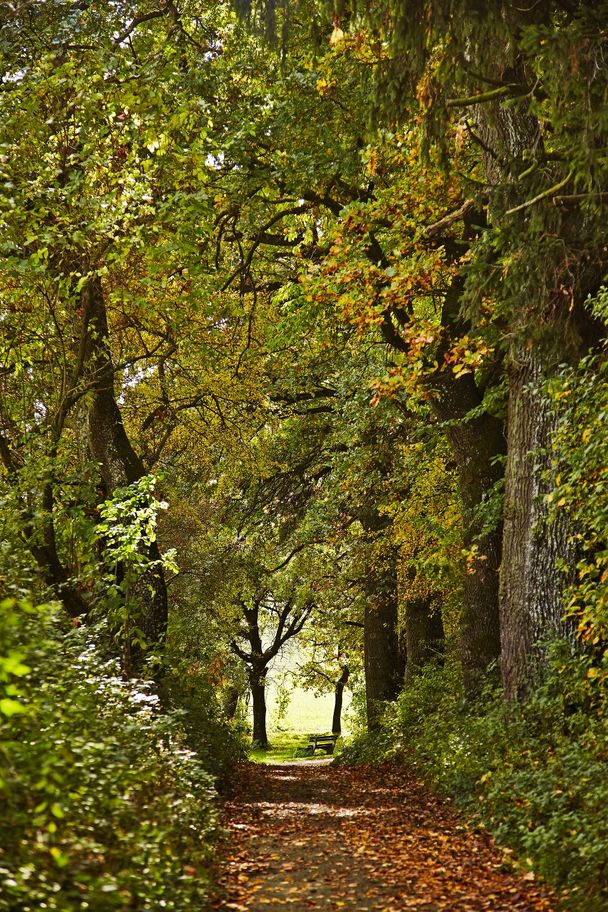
(541, 196)
(139, 20)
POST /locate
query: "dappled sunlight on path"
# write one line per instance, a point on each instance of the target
(314, 836)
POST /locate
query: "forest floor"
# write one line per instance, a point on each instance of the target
(324, 837)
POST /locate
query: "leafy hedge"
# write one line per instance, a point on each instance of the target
(102, 804)
(536, 776)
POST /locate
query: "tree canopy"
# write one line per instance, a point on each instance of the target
(302, 338)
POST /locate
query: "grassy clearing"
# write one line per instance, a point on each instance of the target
(302, 711)
(283, 746)
(289, 726)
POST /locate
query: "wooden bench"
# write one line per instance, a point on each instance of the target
(325, 743)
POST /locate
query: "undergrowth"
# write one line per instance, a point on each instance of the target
(103, 803)
(535, 775)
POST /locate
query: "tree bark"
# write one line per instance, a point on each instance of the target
(257, 683)
(383, 660)
(424, 635)
(531, 581)
(290, 623)
(120, 466)
(547, 331)
(231, 701)
(477, 445)
(336, 723)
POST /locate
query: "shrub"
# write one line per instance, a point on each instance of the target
(535, 775)
(218, 741)
(580, 481)
(102, 804)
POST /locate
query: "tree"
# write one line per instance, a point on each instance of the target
(289, 619)
(336, 721)
(91, 159)
(536, 254)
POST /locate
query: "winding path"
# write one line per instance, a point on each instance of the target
(313, 836)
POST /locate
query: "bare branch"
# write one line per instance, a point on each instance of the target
(448, 220)
(572, 199)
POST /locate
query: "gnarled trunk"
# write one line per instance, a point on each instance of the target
(119, 465)
(547, 331)
(531, 581)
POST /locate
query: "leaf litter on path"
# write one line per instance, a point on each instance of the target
(357, 839)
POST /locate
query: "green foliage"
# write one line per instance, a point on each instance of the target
(12, 656)
(535, 775)
(217, 741)
(103, 806)
(580, 484)
(265, 279)
(128, 523)
(127, 529)
(198, 669)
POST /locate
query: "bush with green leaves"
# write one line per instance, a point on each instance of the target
(218, 741)
(535, 775)
(580, 482)
(103, 805)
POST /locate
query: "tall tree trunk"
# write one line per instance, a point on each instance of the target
(120, 465)
(552, 332)
(383, 659)
(257, 683)
(336, 723)
(477, 445)
(424, 635)
(531, 581)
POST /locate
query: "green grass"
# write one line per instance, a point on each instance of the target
(283, 745)
(305, 713)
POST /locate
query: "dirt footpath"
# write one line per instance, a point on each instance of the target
(322, 837)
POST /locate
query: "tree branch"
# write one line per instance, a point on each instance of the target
(513, 90)
(139, 20)
(571, 199)
(541, 196)
(446, 221)
(246, 657)
(259, 239)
